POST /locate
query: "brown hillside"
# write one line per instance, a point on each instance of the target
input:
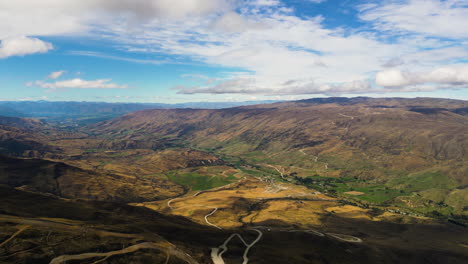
(387, 126)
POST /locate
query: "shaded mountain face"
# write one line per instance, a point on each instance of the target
(119, 183)
(23, 136)
(66, 181)
(48, 227)
(23, 123)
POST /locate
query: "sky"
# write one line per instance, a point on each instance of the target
(172, 51)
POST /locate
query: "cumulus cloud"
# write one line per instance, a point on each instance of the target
(266, 2)
(58, 17)
(80, 84)
(451, 75)
(231, 22)
(42, 18)
(391, 80)
(21, 46)
(278, 48)
(166, 8)
(55, 75)
(245, 85)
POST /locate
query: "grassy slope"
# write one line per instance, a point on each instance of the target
(196, 179)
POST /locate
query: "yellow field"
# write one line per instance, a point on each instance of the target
(252, 201)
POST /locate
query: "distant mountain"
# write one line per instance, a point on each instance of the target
(7, 111)
(76, 109)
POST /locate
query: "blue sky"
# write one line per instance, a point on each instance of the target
(231, 50)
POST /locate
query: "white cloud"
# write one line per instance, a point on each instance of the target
(391, 78)
(80, 84)
(231, 22)
(429, 17)
(263, 38)
(245, 85)
(431, 57)
(83, 17)
(266, 2)
(55, 75)
(21, 46)
(394, 80)
(42, 18)
(101, 55)
(450, 75)
(60, 17)
(166, 8)
(285, 47)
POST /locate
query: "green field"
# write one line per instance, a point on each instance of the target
(423, 181)
(198, 182)
(377, 193)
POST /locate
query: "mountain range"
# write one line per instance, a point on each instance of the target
(379, 180)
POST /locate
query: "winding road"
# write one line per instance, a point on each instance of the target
(315, 158)
(281, 173)
(196, 194)
(163, 246)
(20, 230)
(313, 232)
(171, 200)
(345, 238)
(130, 249)
(217, 253)
(199, 192)
(206, 216)
(352, 117)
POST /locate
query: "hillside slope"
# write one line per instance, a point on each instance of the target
(371, 125)
(411, 152)
(66, 181)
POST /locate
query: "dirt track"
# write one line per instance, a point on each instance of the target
(162, 245)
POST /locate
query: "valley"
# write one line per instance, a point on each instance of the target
(376, 180)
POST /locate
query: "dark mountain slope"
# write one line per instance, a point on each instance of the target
(58, 227)
(67, 181)
(23, 136)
